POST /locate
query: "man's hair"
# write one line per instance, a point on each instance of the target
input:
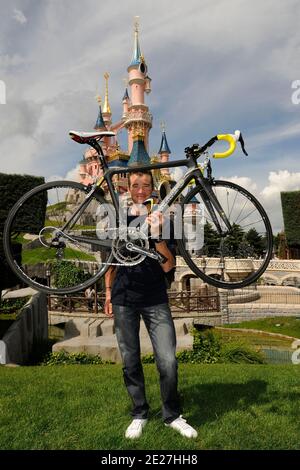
(140, 173)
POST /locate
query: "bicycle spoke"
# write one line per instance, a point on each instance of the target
(51, 257)
(236, 256)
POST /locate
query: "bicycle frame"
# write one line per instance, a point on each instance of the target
(211, 202)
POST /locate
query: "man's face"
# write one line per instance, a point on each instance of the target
(140, 188)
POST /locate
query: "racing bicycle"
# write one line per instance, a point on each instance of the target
(62, 236)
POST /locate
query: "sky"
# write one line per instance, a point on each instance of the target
(216, 66)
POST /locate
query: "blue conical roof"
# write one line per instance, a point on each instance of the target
(136, 57)
(100, 122)
(126, 96)
(139, 154)
(164, 148)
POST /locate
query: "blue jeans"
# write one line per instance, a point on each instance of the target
(160, 326)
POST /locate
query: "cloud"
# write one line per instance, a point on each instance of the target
(278, 133)
(71, 175)
(269, 195)
(279, 181)
(235, 71)
(19, 16)
(243, 181)
(11, 61)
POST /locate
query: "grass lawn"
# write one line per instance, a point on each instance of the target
(257, 340)
(289, 326)
(86, 407)
(39, 255)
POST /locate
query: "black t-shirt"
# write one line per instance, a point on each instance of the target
(142, 285)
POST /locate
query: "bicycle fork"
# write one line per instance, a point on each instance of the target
(212, 205)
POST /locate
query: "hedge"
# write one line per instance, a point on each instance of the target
(12, 187)
(290, 202)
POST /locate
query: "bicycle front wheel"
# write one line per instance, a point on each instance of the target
(227, 256)
(51, 237)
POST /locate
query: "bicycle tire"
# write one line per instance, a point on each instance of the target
(34, 250)
(247, 262)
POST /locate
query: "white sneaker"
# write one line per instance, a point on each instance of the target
(183, 427)
(135, 428)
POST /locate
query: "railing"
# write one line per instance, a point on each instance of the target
(78, 303)
(277, 356)
(184, 301)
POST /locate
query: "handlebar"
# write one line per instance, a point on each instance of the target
(232, 140)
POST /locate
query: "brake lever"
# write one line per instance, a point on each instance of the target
(241, 141)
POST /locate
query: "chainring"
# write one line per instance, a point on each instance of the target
(121, 253)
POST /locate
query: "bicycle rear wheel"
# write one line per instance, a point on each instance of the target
(238, 256)
(49, 257)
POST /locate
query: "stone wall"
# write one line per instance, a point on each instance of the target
(243, 312)
(29, 329)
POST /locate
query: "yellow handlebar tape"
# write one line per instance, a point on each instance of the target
(232, 144)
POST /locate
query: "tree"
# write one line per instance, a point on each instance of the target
(256, 241)
(211, 241)
(282, 246)
(233, 242)
(290, 202)
(66, 274)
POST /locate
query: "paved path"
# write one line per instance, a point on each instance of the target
(14, 294)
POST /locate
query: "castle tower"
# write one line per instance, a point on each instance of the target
(164, 152)
(138, 120)
(139, 154)
(125, 102)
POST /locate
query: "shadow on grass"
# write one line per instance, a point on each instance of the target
(207, 402)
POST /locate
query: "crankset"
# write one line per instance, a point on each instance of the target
(129, 236)
(150, 252)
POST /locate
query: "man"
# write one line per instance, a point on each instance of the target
(90, 296)
(141, 290)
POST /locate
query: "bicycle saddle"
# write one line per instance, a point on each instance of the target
(86, 137)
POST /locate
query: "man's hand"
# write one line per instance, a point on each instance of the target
(108, 311)
(155, 221)
(109, 279)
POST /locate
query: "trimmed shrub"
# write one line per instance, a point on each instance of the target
(64, 358)
(209, 348)
(239, 352)
(290, 202)
(12, 187)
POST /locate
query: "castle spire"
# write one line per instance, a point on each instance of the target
(106, 107)
(164, 147)
(126, 96)
(164, 151)
(139, 83)
(136, 57)
(100, 125)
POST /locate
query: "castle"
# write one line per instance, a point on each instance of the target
(137, 120)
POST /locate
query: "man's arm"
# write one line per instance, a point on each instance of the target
(109, 278)
(156, 220)
(163, 249)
